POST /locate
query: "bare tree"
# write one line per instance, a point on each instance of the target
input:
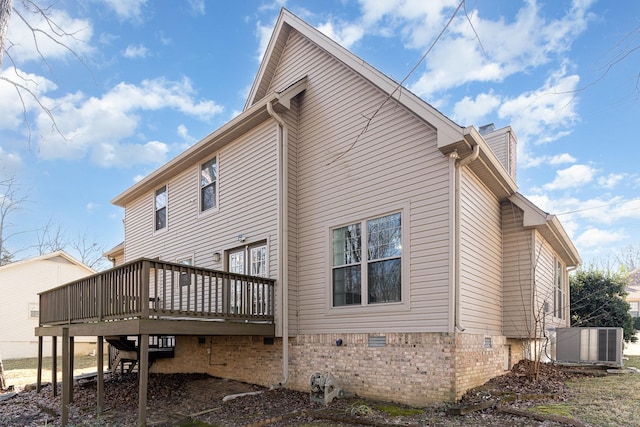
(629, 257)
(12, 197)
(50, 32)
(90, 252)
(5, 14)
(51, 238)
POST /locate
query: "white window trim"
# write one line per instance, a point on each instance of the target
(364, 308)
(564, 287)
(153, 205)
(216, 208)
(246, 246)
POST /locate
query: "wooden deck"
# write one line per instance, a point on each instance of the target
(144, 298)
(154, 297)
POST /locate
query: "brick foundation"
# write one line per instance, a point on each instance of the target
(246, 359)
(412, 368)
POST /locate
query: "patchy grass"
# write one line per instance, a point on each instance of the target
(398, 411)
(561, 409)
(607, 401)
(20, 372)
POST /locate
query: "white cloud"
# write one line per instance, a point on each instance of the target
(9, 161)
(73, 40)
(264, 35)
(135, 51)
(544, 112)
(90, 207)
(492, 49)
(469, 111)
(130, 10)
(571, 177)
(12, 108)
(125, 155)
(197, 7)
(611, 180)
(101, 126)
(183, 132)
(346, 34)
(560, 159)
(528, 160)
(593, 237)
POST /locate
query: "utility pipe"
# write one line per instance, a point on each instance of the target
(283, 234)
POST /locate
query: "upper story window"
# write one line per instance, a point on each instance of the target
(208, 185)
(161, 208)
(559, 289)
(367, 260)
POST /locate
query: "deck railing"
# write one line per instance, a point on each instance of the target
(148, 289)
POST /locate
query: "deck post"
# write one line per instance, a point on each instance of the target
(100, 372)
(71, 367)
(39, 374)
(66, 398)
(143, 378)
(144, 290)
(54, 364)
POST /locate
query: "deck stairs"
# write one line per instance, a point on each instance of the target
(124, 351)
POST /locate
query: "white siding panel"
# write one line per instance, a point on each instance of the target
(394, 165)
(480, 257)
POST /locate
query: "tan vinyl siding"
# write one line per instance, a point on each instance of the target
(498, 141)
(247, 178)
(291, 119)
(394, 166)
(503, 144)
(546, 286)
(517, 273)
(480, 257)
(513, 157)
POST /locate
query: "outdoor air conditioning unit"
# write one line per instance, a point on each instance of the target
(589, 345)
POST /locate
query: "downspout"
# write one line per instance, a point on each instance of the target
(459, 164)
(283, 234)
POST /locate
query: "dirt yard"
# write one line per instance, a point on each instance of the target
(559, 398)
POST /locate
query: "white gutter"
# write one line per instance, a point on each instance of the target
(283, 234)
(459, 164)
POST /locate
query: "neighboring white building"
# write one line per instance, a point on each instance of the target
(20, 283)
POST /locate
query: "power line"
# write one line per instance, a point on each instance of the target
(598, 207)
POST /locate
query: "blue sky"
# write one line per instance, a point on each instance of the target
(150, 78)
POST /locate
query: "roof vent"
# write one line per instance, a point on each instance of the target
(487, 129)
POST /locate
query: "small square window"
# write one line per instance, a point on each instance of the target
(487, 342)
(34, 311)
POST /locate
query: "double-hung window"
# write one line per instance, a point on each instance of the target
(559, 292)
(160, 208)
(367, 260)
(208, 185)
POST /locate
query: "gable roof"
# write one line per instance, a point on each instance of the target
(448, 131)
(550, 228)
(58, 256)
(451, 137)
